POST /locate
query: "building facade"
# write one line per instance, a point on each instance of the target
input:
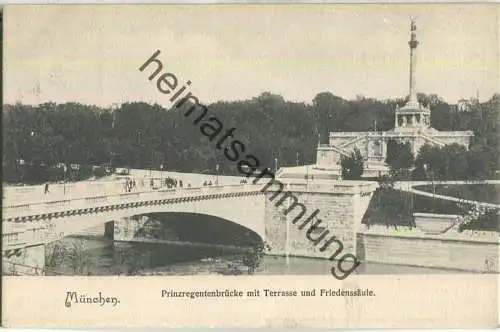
(411, 124)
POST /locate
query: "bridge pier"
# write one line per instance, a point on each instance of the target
(335, 207)
(126, 228)
(103, 230)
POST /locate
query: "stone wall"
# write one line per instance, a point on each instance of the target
(339, 138)
(327, 158)
(470, 251)
(450, 137)
(341, 205)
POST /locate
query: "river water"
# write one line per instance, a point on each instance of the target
(180, 259)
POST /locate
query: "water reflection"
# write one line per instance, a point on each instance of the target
(143, 259)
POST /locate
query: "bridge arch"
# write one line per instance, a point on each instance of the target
(245, 210)
(184, 227)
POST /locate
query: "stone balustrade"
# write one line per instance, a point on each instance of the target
(416, 233)
(451, 198)
(334, 187)
(17, 237)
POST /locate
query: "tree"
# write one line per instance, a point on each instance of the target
(329, 113)
(145, 135)
(478, 163)
(455, 162)
(79, 258)
(352, 166)
(449, 162)
(55, 253)
(392, 151)
(399, 157)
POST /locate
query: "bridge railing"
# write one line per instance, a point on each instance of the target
(62, 191)
(17, 269)
(17, 237)
(36, 193)
(27, 209)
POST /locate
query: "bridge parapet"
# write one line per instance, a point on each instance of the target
(335, 187)
(14, 236)
(44, 210)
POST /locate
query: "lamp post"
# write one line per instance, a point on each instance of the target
(111, 161)
(151, 160)
(408, 180)
(64, 180)
(139, 142)
(111, 145)
(66, 168)
(297, 158)
(275, 165)
(427, 171)
(217, 174)
(161, 168)
(30, 149)
(287, 234)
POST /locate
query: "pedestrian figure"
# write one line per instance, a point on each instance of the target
(180, 183)
(151, 184)
(46, 188)
(210, 183)
(204, 183)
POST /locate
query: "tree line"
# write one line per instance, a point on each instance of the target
(142, 135)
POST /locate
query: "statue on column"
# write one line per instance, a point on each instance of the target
(413, 24)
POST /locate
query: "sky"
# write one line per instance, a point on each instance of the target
(92, 54)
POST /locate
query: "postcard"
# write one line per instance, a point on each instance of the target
(250, 165)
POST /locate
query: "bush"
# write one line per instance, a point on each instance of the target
(353, 166)
(390, 207)
(254, 256)
(490, 221)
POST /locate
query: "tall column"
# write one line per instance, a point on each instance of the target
(413, 59)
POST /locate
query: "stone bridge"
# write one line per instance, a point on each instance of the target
(27, 224)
